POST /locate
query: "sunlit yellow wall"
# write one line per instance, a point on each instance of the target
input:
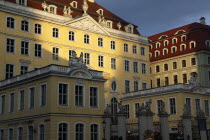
(64, 45)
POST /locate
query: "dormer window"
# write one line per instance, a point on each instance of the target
(165, 51)
(174, 40)
(22, 2)
(192, 44)
(129, 28)
(180, 32)
(157, 53)
(166, 43)
(52, 9)
(157, 45)
(173, 49)
(163, 36)
(109, 24)
(182, 47)
(207, 43)
(73, 4)
(183, 38)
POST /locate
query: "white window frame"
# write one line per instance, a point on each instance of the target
(68, 95)
(101, 62)
(39, 131)
(86, 39)
(14, 23)
(135, 49)
(1, 112)
(127, 65)
(14, 45)
(29, 97)
(83, 95)
(19, 99)
(156, 53)
(169, 107)
(40, 95)
(68, 131)
(54, 58)
(18, 131)
(70, 36)
(135, 116)
(143, 51)
(173, 40)
(57, 33)
(24, 26)
(94, 123)
(190, 44)
(37, 29)
(98, 101)
(25, 48)
(37, 51)
(84, 132)
(143, 71)
(113, 45)
(12, 92)
(113, 65)
(55, 9)
(172, 49)
(164, 51)
(9, 72)
(100, 42)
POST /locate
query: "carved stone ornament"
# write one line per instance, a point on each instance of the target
(80, 82)
(119, 25)
(101, 20)
(88, 25)
(77, 62)
(163, 108)
(193, 79)
(67, 12)
(145, 109)
(199, 90)
(107, 111)
(44, 6)
(85, 7)
(186, 110)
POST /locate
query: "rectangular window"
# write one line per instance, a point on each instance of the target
(189, 103)
(113, 45)
(11, 134)
(2, 134)
(134, 49)
(144, 86)
(159, 106)
(24, 48)
(101, 61)
(166, 81)
(10, 22)
(71, 36)
(126, 64)
(184, 77)
(100, 42)
(125, 47)
(38, 50)
(37, 28)
(55, 54)
(174, 65)
(10, 45)
(41, 132)
(172, 106)
(21, 100)
(157, 68)
(165, 67)
(93, 97)
(158, 82)
(3, 103)
(143, 67)
(197, 105)
(184, 63)
(142, 51)
(23, 69)
(113, 63)
(79, 97)
(209, 75)
(55, 32)
(127, 111)
(206, 103)
(136, 85)
(127, 86)
(135, 67)
(63, 94)
(87, 58)
(31, 97)
(193, 61)
(136, 105)
(175, 79)
(86, 39)
(30, 132)
(70, 54)
(43, 95)
(20, 133)
(25, 25)
(208, 60)
(12, 102)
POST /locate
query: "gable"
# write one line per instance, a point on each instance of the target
(87, 23)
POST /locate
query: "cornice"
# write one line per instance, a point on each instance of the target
(62, 20)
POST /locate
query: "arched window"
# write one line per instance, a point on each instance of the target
(11, 134)
(20, 133)
(158, 45)
(183, 38)
(174, 40)
(74, 4)
(207, 43)
(114, 85)
(2, 134)
(63, 131)
(109, 24)
(100, 11)
(192, 44)
(25, 25)
(165, 42)
(182, 47)
(114, 104)
(10, 22)
(165, 51)
(79, 131)
(52, 9)
(94, 134)
(157, 53)
(173, 49)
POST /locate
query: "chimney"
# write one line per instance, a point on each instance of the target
(91, 1)
(203, 20)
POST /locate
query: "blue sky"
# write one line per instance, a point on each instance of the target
(155, 16)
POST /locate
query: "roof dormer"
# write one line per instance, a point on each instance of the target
(73, 4)
(129, 28)
(100, 12)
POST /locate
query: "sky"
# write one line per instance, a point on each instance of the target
(156, 16)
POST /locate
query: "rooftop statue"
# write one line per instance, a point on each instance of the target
(186, 110)
(77, 61)
(193, 79)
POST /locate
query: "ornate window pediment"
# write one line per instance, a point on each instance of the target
(129, 28)
(52, 9)
(109, 23)
(163, 36)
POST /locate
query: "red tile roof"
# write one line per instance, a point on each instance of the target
(93, 7)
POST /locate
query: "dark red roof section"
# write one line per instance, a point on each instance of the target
(195, 32)
(93, 7)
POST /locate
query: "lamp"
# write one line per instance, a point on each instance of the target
(104, 126)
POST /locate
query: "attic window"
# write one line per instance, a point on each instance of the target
(129, 28)
(100, 12)
(180, 32)
(74, 4)
(109, 24)
(52, 9)
(163, 36)
(22, 2)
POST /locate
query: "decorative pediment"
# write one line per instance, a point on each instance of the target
(199, 90)
(81, 73)
(87, 23)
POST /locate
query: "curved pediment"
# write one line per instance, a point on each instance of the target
(81, 73)
(199, 90)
